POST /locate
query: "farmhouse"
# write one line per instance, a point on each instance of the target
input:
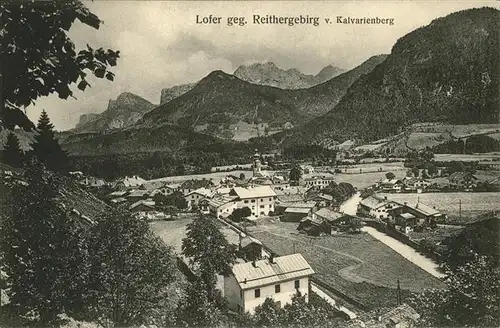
(391, 185)
(251, 248)
(314, 226)
(166, 189)
(143, 206)
(463, 181)
(416, 184)
(295, 214)
(194, 197)
(222, 204)
(259, 199)
(316, 179)
(377, 207)
(187, 186)
(417, 215)
(328, 215)
(204, 206)
(282, 207)
(136, 195)
(279, 278)
(321, 199)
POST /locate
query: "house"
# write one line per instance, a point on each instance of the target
(194, 197)
(204, 206)
(316, 179)
(391, 185)
(259, 199)
(129, 182)
(119, 193)
(282, 207)
(423, 214)
(279, 278)
(93, 182)
(187, 186)
(416, 184)
(463, 181)
(119, 200)
(296, 214)
(222, 204)
(142, 206)
(406, 222)
(166, 189)
(376, 207)
(314, 226)
(402, 316)
(136, 195)
(321, 199)
(328, 215)
(251, 248)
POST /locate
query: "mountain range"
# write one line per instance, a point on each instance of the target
(125, 111)
(221, 103)
(447, 71)
(265, 74)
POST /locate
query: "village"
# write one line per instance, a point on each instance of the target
(288, 223)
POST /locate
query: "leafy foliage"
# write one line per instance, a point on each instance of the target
(130, 271)
(43, 251)
(196, 310)
(208, 251)
(175, 199)
(12, 153)
(473, 144)
(471, 297)
(38, 57)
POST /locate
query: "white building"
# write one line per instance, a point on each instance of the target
(260, 199)
(194, 197)
(279, 278)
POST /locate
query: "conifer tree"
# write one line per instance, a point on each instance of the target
(43, 252)
(47, 149)
(12, 153)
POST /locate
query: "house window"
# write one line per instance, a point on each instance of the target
(270, 199)
(261, 206)
(277, 288)
(257, 293)
(253, 200)
(246, 201)
(297, 284)
(262, 199)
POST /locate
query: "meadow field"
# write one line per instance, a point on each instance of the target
(364, 180)
(357, 265)
(472, 203)
(172, 232)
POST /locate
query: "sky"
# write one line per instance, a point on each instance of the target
(162, 45)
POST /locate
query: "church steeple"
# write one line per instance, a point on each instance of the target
(256, 162)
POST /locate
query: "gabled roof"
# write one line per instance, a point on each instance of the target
(147, 203)
(118, 200)
(373, 202)
(302, 210)
(290, 198)
(425, 209)
(328, 214)
(119, 193)
(253, 192)
(298, 204)
(138, 193)
(284, 268)
(221, 200)
(248, 240)
(201, 191)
